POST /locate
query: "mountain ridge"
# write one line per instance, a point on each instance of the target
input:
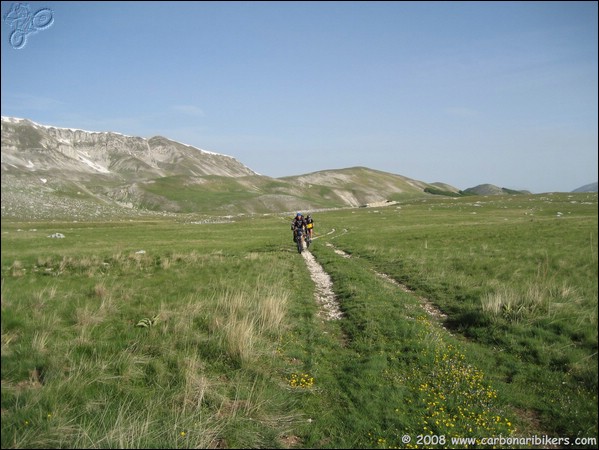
(109, 153)
(49, 171)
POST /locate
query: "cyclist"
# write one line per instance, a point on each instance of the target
(298, 224)
(309, 226)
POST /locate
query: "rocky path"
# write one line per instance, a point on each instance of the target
(329, 307)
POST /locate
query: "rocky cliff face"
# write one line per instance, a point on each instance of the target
(30, 147)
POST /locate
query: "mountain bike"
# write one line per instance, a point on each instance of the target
(298, 238)
(307, 239)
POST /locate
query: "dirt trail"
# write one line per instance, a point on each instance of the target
(329, 307)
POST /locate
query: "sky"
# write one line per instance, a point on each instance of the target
(463, 93)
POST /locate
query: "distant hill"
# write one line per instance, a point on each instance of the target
(446, 187)
(592, 187)
(357, 186)
(490, 189)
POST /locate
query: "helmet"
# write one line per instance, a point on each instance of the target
(298, 214)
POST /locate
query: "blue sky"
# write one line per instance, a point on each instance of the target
(458, 92)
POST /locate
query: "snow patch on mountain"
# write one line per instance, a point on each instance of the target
(92, 164)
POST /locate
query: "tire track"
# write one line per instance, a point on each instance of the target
(426, 304)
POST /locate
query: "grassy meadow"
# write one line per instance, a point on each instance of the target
(181, 333)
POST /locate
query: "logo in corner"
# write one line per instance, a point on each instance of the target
(23, 23)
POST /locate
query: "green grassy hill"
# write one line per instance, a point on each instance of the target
(258, 194)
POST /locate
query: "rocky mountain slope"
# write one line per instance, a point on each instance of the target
(29, 147)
